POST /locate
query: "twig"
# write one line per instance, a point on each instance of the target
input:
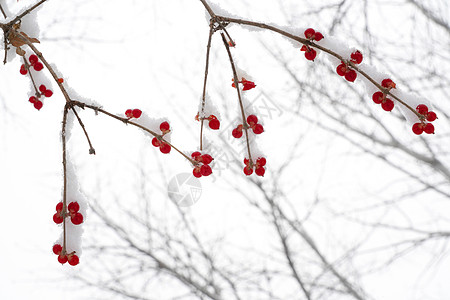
(312, 44)
(64, 162)
(24, 13)
(3, 12)
(91, 149)
(241, 105)
(208, 48)
(127, 121)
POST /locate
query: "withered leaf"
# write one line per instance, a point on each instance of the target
(20, 51)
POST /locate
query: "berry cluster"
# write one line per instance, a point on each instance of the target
(248, 85)
(213, 122)
(252, 122)
(430, 116)
(73, 212)
(381, 97)
(344, 70)
(158, 142)
(202, 168)
(311, 35)
(133, 113)
(34, 62)
(258, 166)
(72, 258)
(43, 91)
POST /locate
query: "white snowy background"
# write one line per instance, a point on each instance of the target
(150, 55)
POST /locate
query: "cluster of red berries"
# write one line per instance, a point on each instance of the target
(34, 62)
(73, 212)
(252, 122)
(202, 168)
(157, 141)
(43, 91)
(311, 35)
(430, 116)
(258, 166)
(133, 113)
(248, 85)
(381, 98)
(344, 70)
(213, 122)
(72, 258)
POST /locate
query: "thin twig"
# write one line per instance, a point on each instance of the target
(202, 112)
(241, 105)
(91, 149)
(64, 162)
(127, 121)
(3, 12)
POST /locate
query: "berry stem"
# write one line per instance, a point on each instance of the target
(27, 66)
(64, 161)
(208, 48)
(241, 105)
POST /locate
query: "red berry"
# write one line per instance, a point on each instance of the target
(417, 128)
(60, 80)
(38, 66)
(309, 33)
(387, 104)
(32, 99)
(77, 218)
(48, 93)
(196, 172)
(252, 119)
(205, 170)
(59, 207)
(155, 142)
(248, 85)
(129, 113)
(136, 113)
(74, 260)
(57, 248)
(33, 59)
(350, 75)
(165, 148)
(42, 88)
(378, 97)
(422, 109)
(207, 159)
(261, 161)
(388, 83)
(62, 259)
(310, 54)
(38, 104)
(429, 128)
(341, 69)
(196, 155)
(431, 116)
(214, 124)
(258, 129)
(164, 126)
(260, 171)
(237, 133)
(318, 36)
(73, 207)
(248, 171)
(356, 57)
(57, 218)
(23, 70)
(246, 161)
